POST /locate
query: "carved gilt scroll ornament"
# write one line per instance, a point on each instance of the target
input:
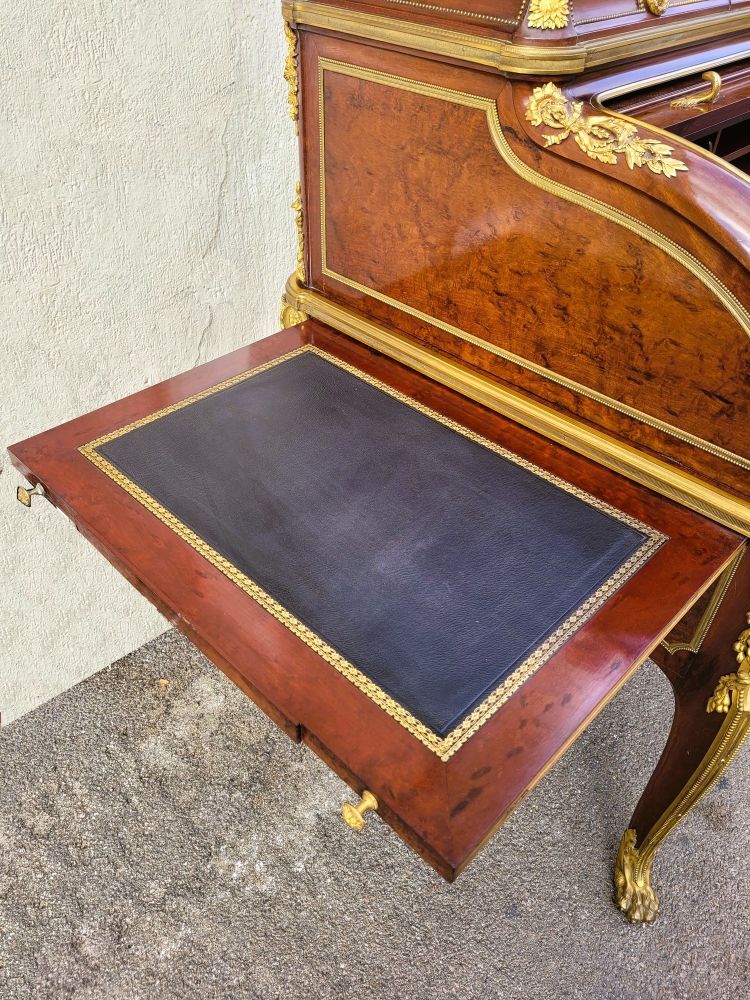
(734, 684)
(549, 14)
(600, 137)
(297, 206)
(290, 75)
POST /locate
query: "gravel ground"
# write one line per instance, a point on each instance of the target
(166, 841)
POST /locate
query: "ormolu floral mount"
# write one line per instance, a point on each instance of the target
(600, 137)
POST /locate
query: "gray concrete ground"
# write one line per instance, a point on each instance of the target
(166, 841)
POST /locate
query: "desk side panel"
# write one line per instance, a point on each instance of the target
(608, 291)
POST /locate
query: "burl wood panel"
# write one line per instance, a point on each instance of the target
(498, 15)
(443, 809)
(422, 209)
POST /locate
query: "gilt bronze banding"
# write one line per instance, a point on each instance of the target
(513, 57)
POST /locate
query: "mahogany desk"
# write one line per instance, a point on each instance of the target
(499, 455)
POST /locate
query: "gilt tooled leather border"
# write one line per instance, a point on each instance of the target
(445, 746)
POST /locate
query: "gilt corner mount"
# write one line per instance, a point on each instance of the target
(290, 75)
(549, 14)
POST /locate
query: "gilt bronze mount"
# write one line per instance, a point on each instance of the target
(354, 816)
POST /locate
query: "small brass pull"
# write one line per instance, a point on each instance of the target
(698, 99)
(24, 494)
(354, 816)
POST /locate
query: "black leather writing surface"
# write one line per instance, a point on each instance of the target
(432, 563)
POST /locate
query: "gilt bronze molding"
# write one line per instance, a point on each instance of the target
(511, 57)
(291, 76)
(608, 451)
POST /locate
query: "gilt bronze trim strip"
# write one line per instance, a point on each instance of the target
(511, 57)
(474, 15)
(483, 50)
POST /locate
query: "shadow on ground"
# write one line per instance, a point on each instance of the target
(166, 841)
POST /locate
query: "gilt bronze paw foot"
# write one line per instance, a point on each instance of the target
(633, 892)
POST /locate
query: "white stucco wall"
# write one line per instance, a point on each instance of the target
(147, 165)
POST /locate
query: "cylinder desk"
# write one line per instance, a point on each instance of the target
(498, 454)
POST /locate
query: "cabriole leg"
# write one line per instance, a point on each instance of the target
(711, 682)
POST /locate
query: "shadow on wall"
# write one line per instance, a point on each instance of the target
(147, 168)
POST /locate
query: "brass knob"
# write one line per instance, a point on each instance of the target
(24, 494)
(657, 7)
(354, 816)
